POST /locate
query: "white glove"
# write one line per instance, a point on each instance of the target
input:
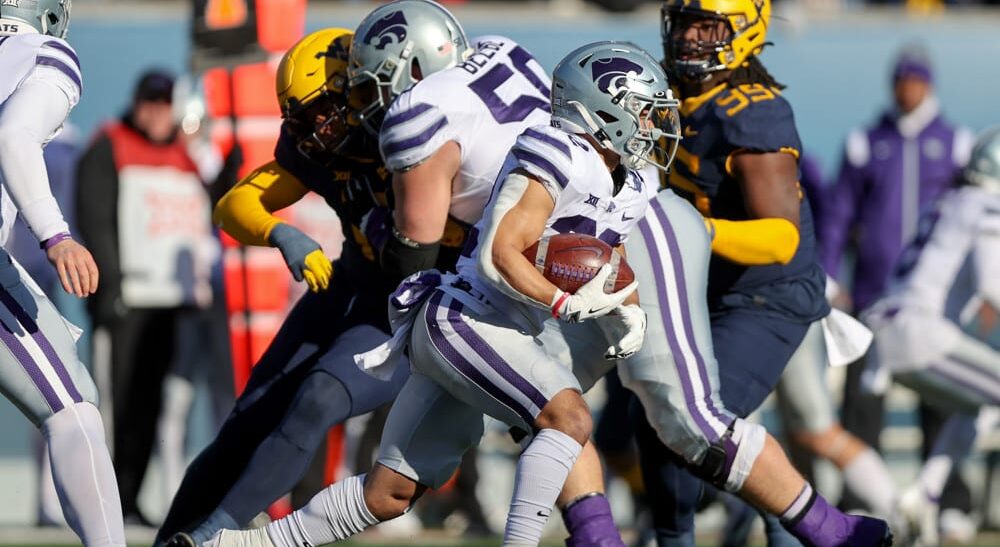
(590, 300)
(624, 329)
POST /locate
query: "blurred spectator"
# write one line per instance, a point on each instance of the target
(144, 211)
(890, 172)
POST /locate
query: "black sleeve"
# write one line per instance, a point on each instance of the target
(228, 175)
(97, 220)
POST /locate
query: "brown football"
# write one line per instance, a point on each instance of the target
(570, 260)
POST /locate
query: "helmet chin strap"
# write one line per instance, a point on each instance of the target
(593, 128)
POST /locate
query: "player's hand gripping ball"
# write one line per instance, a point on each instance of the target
(571, 260)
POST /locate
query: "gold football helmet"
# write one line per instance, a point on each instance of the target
(311, 85)
(743, 35)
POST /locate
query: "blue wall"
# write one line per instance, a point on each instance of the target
(836, 71)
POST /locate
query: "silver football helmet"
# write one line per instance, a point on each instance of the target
(46, 16)
(395, 46)
(618, 94)
(983, 168)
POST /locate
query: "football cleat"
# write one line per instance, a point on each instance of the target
(921, 516)
(181, 539)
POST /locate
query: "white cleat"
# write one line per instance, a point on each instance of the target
(921, 514)
(256, 537)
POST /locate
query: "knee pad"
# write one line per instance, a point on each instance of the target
(728, 460)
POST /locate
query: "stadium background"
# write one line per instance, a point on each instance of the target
(834, 61)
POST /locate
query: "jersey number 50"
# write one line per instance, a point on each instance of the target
(485, 88)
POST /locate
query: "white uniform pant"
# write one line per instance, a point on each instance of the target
(39, 368)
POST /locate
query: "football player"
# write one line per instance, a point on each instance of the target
(40, 371)
(445, 138)
(397, 45)
(306, 381)
(738, 165)
(472, 337)
(924, 334)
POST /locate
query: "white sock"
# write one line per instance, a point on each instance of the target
(49, 509)
(953, 443)
(867, 476)
(178, 395)
(338, 512)
(541, 471)
(83, 475)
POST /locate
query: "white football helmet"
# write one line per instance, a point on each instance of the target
(398, 44)
(618, 94)
(45, 16)
(983, 168)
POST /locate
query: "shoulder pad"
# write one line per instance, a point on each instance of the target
(413, 130)
(546, 153)
(757, 118)
(58, 54)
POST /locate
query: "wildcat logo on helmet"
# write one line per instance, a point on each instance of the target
(387, 30)
(607, 72)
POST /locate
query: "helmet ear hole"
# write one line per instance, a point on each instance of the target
(415, 71)
(608, 118)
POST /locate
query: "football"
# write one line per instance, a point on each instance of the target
(571, 260)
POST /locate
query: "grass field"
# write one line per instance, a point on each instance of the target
(984, 540)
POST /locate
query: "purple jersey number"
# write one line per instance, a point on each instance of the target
(579, 224)
(485, 88)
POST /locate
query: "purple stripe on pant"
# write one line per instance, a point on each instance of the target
(678, 264)
(683, 367)
(31, 368)
(36, 334)
(465, 367)
(946, 371)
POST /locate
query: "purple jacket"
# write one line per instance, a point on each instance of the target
(889, 173)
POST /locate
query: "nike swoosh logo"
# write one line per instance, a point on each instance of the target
(595, 310)
(626, 218)
(543, 514)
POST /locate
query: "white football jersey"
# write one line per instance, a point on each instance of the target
(582, 188)
(482, 104)
(51, 59)
(954, 258)
(20, 54)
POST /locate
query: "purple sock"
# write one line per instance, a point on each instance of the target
(815, 522)
(590, 524)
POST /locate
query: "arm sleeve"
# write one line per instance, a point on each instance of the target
(987, 256)
(412, 132)
(755, 242)
(97, 211)
(32, 115)
(246, 211)
(842, 200)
